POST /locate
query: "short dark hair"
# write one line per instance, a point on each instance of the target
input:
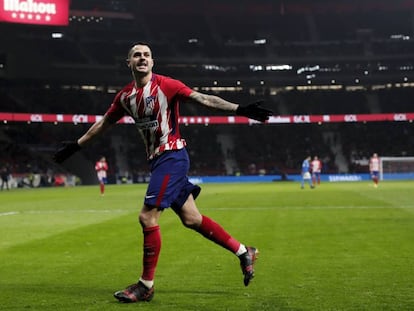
(138, 43)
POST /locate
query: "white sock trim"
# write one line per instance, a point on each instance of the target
(242, 250)
(147, 283)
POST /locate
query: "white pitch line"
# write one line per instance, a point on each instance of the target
(8, 213)
(63, 212)
(88, 211)
(304, 207)
(241, 208)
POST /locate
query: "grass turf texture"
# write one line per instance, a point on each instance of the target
(341, 246)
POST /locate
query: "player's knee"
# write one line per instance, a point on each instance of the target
(188, 223)
(191, 221)
(147, 219)
(143, 220)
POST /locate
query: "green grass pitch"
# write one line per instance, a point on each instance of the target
(341, 246)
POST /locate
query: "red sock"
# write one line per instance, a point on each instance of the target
(102, 187)
(214, 232)
(152, 247)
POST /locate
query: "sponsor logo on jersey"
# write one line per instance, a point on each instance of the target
(145, 124)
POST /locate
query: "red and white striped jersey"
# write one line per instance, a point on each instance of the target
(316, 166)
(101, 166)
(374, 164)
(155, 110)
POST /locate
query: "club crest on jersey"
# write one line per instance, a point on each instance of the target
(150, 102)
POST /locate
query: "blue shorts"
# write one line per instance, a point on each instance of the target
(169, 185)
(375, 174)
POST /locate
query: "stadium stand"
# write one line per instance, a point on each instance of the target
(301, 57)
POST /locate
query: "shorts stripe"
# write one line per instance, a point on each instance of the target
(162, 190)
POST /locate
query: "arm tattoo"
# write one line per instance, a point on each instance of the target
(213, 101)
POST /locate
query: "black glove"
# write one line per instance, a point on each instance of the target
(254, 111)
(68, 149)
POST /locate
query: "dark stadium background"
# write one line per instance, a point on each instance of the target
(343, 57)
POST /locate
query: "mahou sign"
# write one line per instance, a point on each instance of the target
(39, 12)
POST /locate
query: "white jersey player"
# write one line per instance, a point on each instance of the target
(316, 168)
(374, 168)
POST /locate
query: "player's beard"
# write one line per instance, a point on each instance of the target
(141, 71)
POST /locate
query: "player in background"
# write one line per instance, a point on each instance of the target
(306, 175)
(4, 177)
(316, 168)
(101, 167)
(374, 167)
(152, 100)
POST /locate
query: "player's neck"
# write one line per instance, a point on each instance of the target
(142, 80)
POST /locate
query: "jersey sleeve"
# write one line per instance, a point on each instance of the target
(184, 91)
(115, 112)
(177, 88)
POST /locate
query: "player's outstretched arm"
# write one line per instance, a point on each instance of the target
(71, 147)
(254, 110)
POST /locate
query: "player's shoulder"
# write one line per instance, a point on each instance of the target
(124, 91)
(161, 79)
(172, 86)
(128, 87)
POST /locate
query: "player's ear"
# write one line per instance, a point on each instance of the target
(127, 63)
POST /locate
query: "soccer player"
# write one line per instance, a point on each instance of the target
(101, 167)
(152, 100)
(374, 167)
(4, 177)
(306, 175)
(316, 168)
